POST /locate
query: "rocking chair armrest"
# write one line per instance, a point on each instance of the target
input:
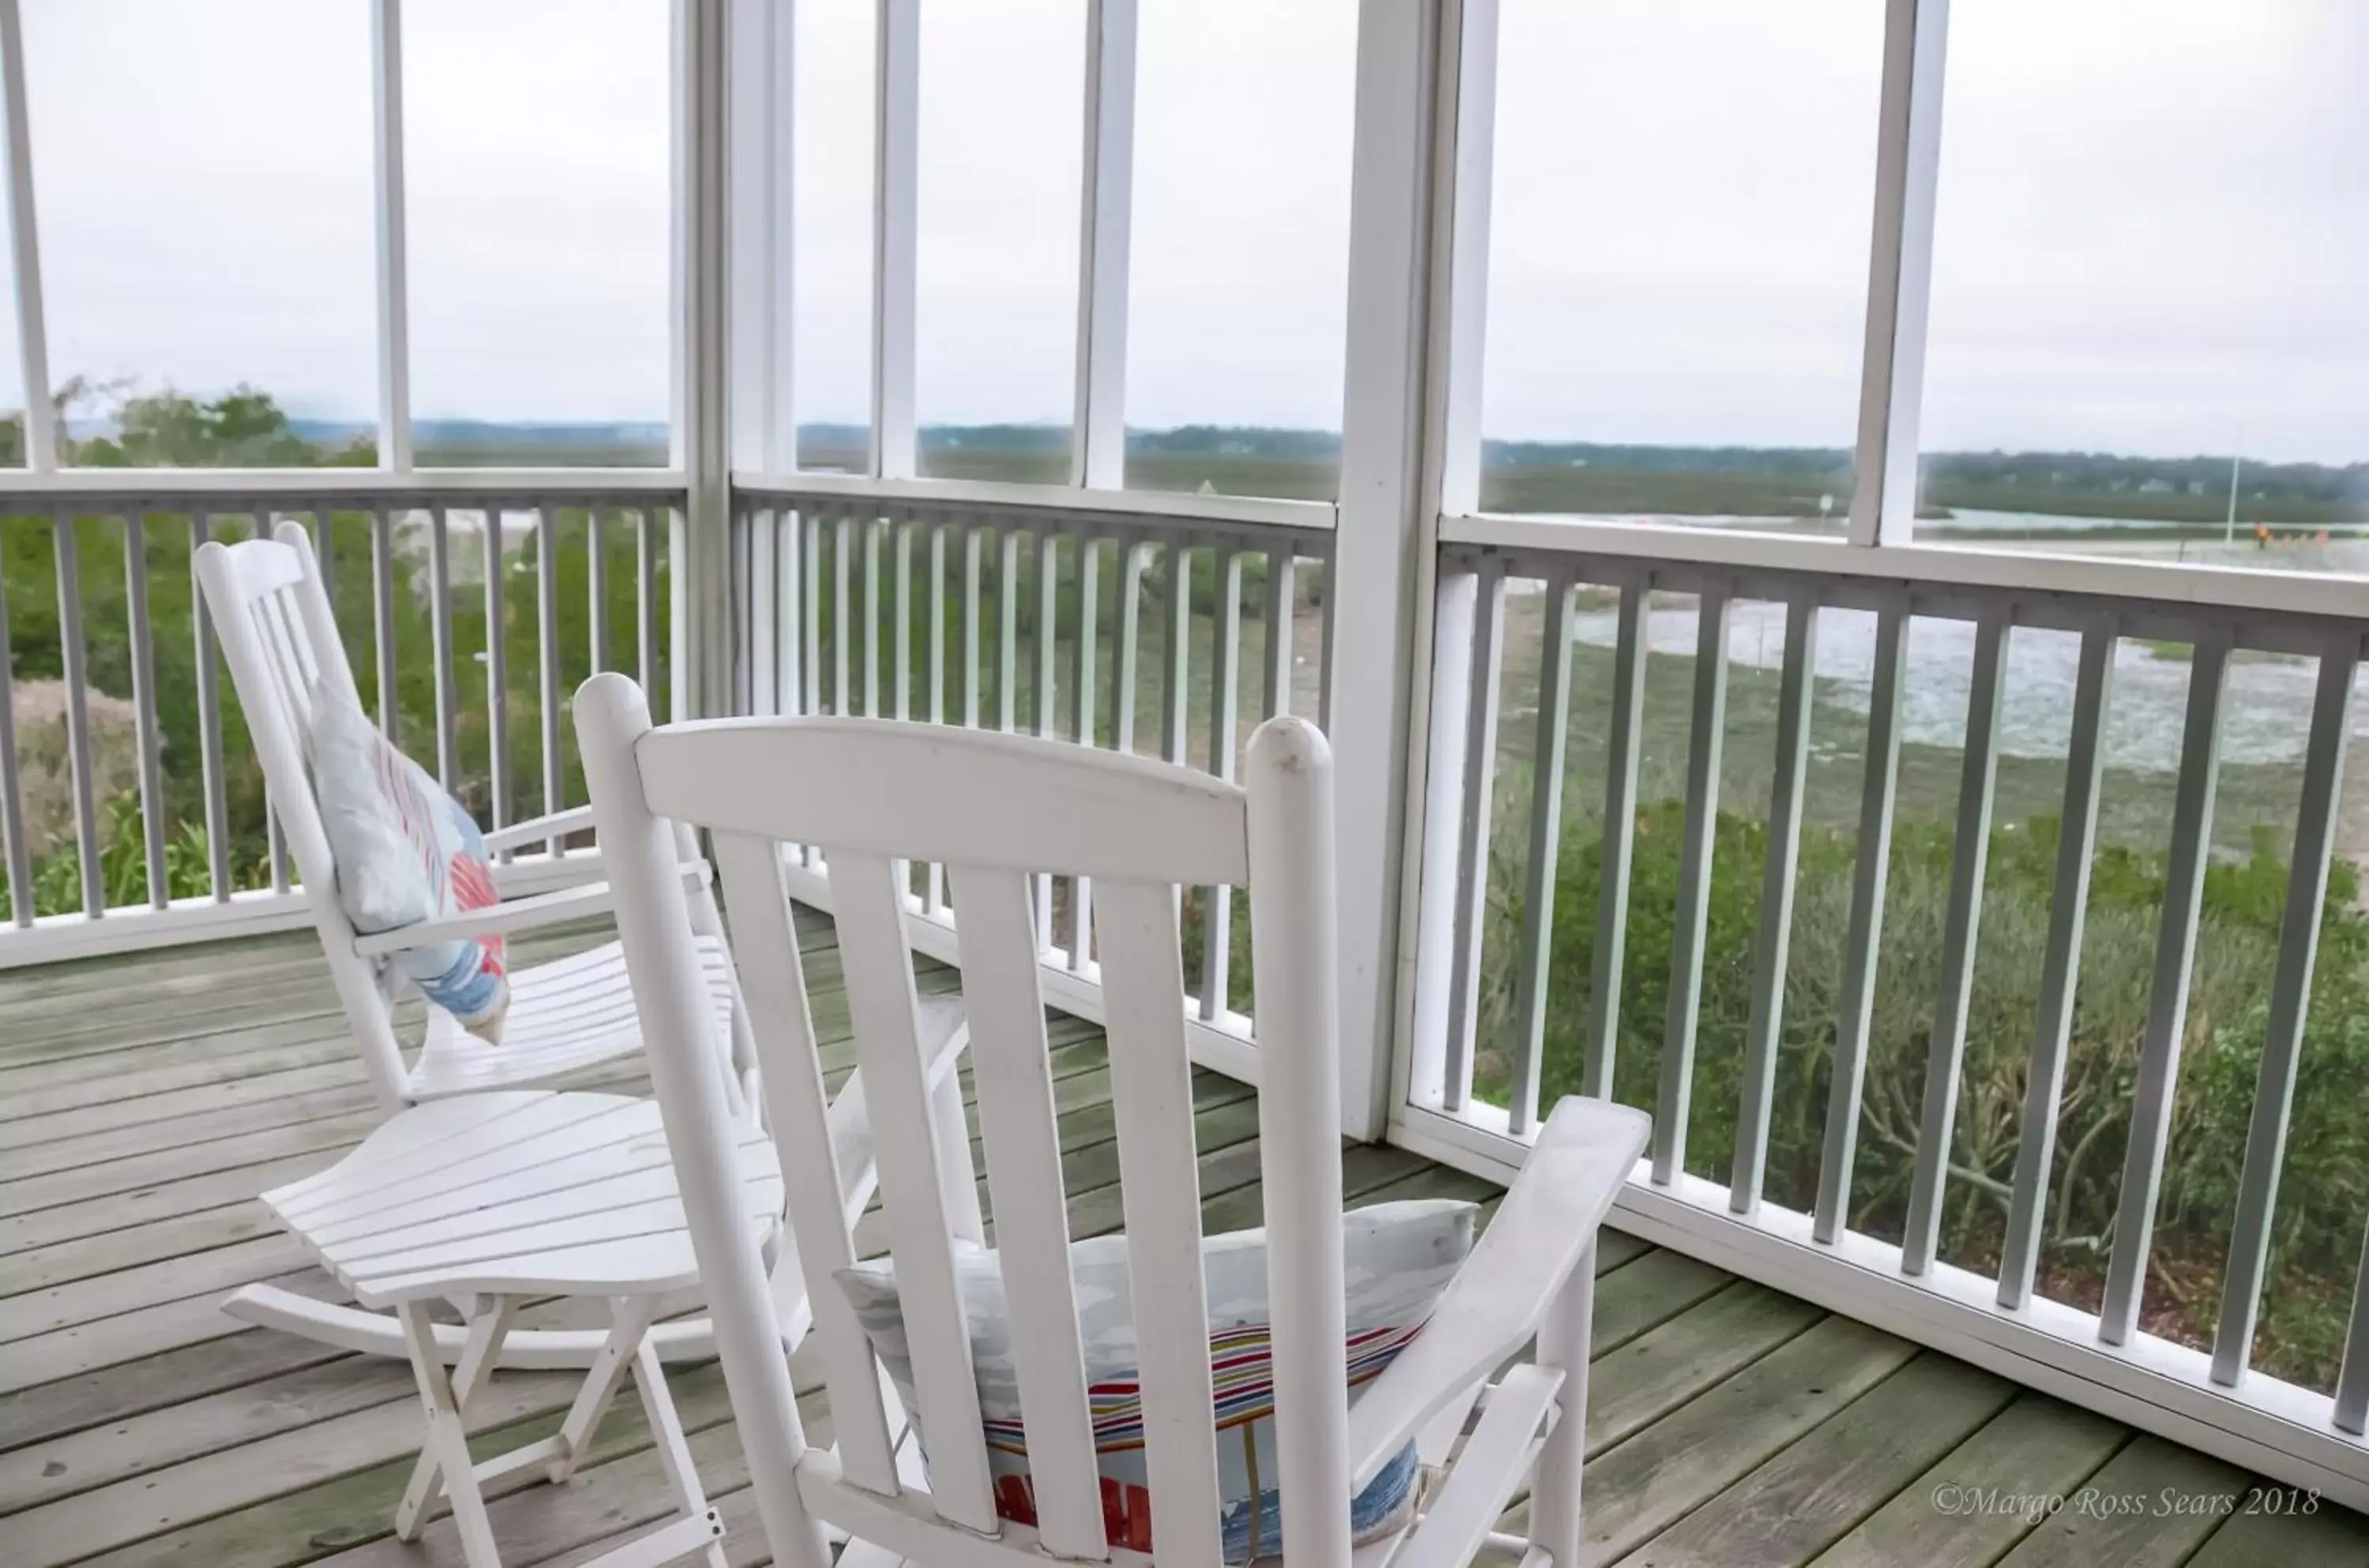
(494, 919)
(578, 903)
(535, 829)
(1543, 1227)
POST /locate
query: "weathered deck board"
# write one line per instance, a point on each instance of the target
(144, 1104)
(1989, 1493)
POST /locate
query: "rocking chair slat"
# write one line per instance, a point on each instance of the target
(1024, 1174)
(799, 1113)
(870, 905)
(1151, 1091)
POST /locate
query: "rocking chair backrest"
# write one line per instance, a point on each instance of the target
(279, 637)
(994, 809)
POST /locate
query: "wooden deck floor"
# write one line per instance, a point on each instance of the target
(144, 1102)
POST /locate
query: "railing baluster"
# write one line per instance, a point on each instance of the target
(1621, 744)
(2175, 954)
(933, 898)
(1479, 768)
(1546, 844)
(789, 601)
(1871, 865)
(1087, 552)
(383, 620)
(754, 614)
(1046, 709)
(12, 798)
(1007, 628)
(1765, 1022)
(1125, 660)
(1225, 648)
(2352, 1379)
(546, 642)
(210, 752)
(974, 610)
(902, 617)
(873, 532)
(810, 617)
(645, 608)
(2258, 1188)
(325, 556)
(1086, 712)
(937, 612)
(440, 621)
(2043, 1084)
(1176, 652)
(497, 675)
(842, 611)
(1045, 698)
(1962, 923)
(1708, 735)
(1278, 650)
(596, 576)
(143, 705)
(77, 673)
(1324, 655)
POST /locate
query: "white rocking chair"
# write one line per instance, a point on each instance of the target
(278, 636)
(995, 810)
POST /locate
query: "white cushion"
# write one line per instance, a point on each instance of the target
(1399, 1256)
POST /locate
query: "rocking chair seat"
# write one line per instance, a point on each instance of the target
(571, 1014)
(515, 1192)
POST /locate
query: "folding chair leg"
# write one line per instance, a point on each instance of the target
(673, 1447)
(479, 1353)
(447, 1448)
(630, 1319)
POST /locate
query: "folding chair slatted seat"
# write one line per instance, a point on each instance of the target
(491, 1201)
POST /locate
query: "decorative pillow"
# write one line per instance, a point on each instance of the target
(1399, 1258)
(406, 851)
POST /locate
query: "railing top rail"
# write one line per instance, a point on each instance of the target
(1154, 507)
(2269, 610)
(122, 486)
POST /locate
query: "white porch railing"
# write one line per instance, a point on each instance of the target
(129, 800)
(1129, 622)
(1487, 940)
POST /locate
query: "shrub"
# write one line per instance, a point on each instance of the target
(2325, 1185)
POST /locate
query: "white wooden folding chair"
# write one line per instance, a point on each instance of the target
(278, 636)
(995, 810)
(491, 1202)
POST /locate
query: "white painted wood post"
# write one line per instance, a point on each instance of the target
(1900, 270)
(896, 173)
(1404, 263)
(701, 567)
(1098, 442)
(762, 211)
(388, 211)
(25, 250)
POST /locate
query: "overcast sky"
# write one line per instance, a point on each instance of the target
(2153, 230)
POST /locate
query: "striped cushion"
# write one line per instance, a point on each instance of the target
(1399, 1258)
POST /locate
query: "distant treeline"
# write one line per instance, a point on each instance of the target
(244, 428)
(2093, 473)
